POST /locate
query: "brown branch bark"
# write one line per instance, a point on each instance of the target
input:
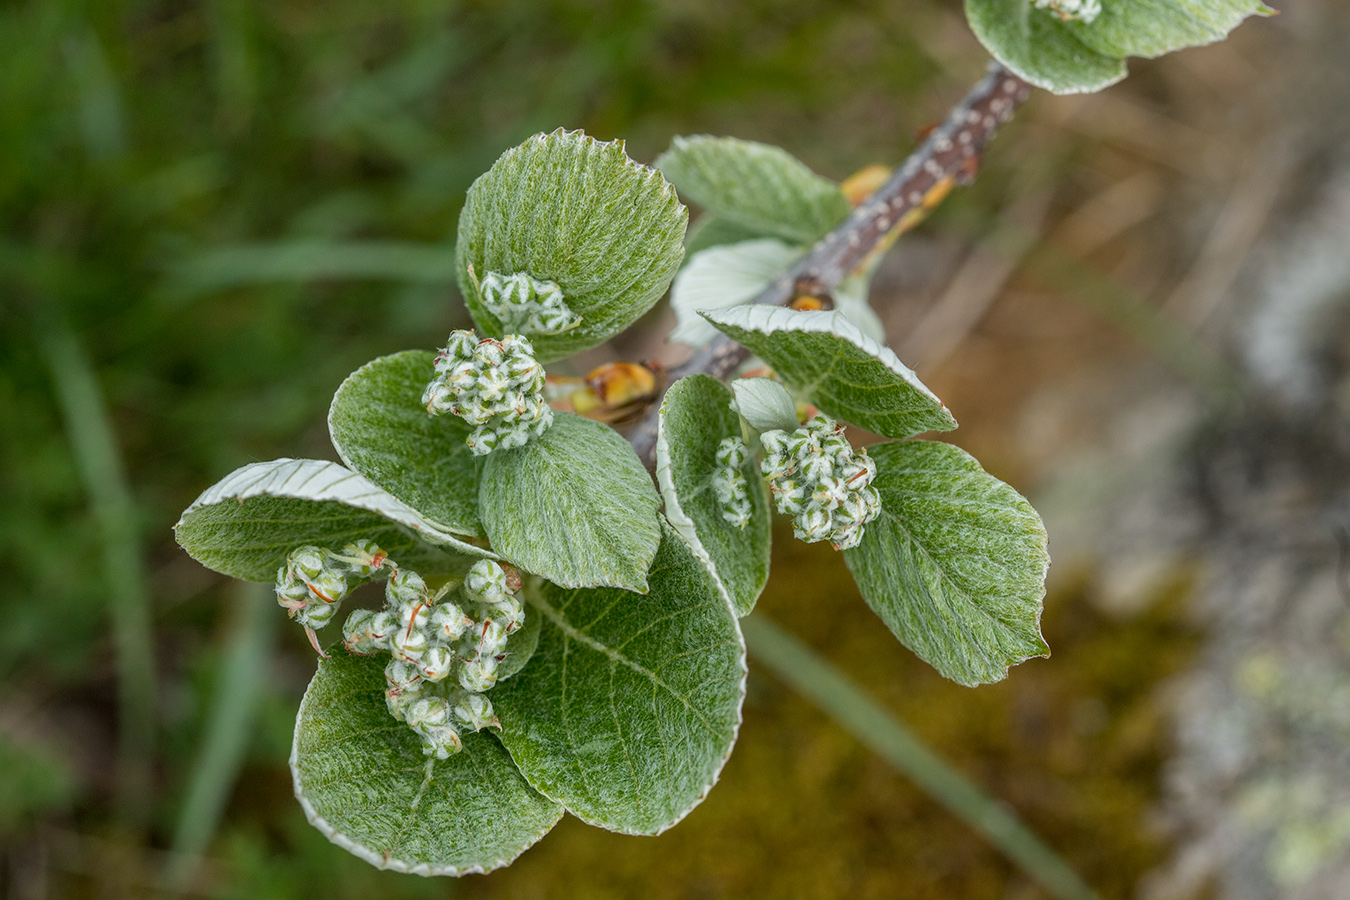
(948, 149)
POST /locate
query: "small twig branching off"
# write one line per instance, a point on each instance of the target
(948, 151)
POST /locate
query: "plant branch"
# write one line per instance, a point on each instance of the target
(948, 150)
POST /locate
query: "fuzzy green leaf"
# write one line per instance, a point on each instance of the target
(1154, 27)
(756, 186)
(955, 564)
(1077, 56)
(246, 524)
(566, 208)
(574, 506)
(631, 705)
(695, 416)
(381, 429)
(1037, 46)
(364, 782)
(830, 361)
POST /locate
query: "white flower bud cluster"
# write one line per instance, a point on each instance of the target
(1067, 10)
(314, 582)
(495, 385)
(728, 481)
(815, 476)
(445, 655)
(525, 304)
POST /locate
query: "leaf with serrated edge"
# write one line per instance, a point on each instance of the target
(829, 360)
(631, 705)
(566, 208)
(1154, 27)
(695, 416)
(363, 781)
(574, 505)
(765, 404)
(756, 186)
(1038, 47)
(381, 429)
(955, 564)
(248, 522)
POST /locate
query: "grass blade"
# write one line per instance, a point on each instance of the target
(825, 686)
(99, 463)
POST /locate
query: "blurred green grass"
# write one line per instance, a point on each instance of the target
(235, 204)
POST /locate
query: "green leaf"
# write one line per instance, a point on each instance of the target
(756, 186)
(631, 704)
(955, 564)
(1154, 27)
(382, 430)
(1037, 46)
(566, 208)
(695, 416)
(829, 360)
(364, 782)
(735, 274)
(765, 404)
(574, 506)
(246, 524)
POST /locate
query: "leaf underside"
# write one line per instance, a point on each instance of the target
(695, 416)
(574, 505)
(566, 208)
(246, 524)
(723, 276)
(955, 564)
(765, 404)
(631, 704)
(381, 429)
(363, 781)
(829, 360)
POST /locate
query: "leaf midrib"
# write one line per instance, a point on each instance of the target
(572, 633)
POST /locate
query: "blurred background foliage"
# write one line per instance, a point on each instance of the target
(222, 207)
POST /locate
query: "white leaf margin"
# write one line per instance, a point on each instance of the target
(684, 526)
(322, 481)
(768, 320)
(380, 860)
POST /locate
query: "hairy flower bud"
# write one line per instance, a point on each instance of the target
(816, 477)
(728, 482)
(496, 386)
(444, 654)
(313, 583)
(526, 304)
